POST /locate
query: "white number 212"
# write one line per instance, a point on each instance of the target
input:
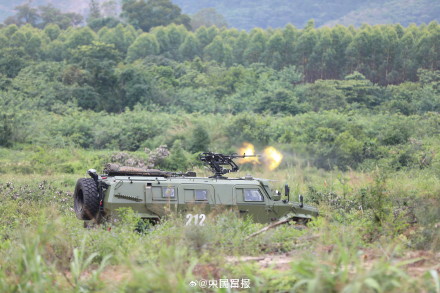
(198, 219)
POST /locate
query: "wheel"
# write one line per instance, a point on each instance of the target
(86, 199)
(299, 223)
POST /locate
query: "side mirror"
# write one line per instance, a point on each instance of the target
(301, 201)
(92, 173)
(277, 195)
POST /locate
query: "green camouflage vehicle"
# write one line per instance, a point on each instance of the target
(154, 193)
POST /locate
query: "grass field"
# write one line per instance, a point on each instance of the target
(378, 232)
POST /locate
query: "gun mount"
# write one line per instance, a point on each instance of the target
(217, 161)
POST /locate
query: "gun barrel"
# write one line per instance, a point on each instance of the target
(244, 156)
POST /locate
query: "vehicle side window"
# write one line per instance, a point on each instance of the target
(252, 195)
(168, 192)
(201, 194)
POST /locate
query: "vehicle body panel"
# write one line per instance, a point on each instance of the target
(155, 197)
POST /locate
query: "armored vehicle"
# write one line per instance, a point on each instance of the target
(154, 193)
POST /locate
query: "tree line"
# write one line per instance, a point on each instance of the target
(222, 70)
(385, 54)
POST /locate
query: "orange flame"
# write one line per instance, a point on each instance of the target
(248, 149)
(271, 157)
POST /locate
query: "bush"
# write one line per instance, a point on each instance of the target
(178, 159)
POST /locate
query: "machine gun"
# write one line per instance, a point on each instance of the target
(217, 161)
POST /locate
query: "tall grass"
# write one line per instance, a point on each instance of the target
(370, 228)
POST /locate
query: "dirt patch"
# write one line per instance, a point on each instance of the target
(281, 262)
(415, 263)
(207, 271)
(424, 261)
(115, 274)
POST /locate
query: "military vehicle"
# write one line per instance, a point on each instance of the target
(154, 193)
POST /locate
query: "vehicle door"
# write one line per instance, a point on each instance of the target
(198, 201)
(251, 200)
(161, 197)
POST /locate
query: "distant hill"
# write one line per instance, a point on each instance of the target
(78, 6)
(247, 14)
(392, 11)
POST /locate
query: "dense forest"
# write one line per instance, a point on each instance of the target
(340, 97)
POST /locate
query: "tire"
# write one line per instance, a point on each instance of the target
(301, 221)
(86, 199)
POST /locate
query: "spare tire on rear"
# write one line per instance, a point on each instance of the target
(86, 199)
